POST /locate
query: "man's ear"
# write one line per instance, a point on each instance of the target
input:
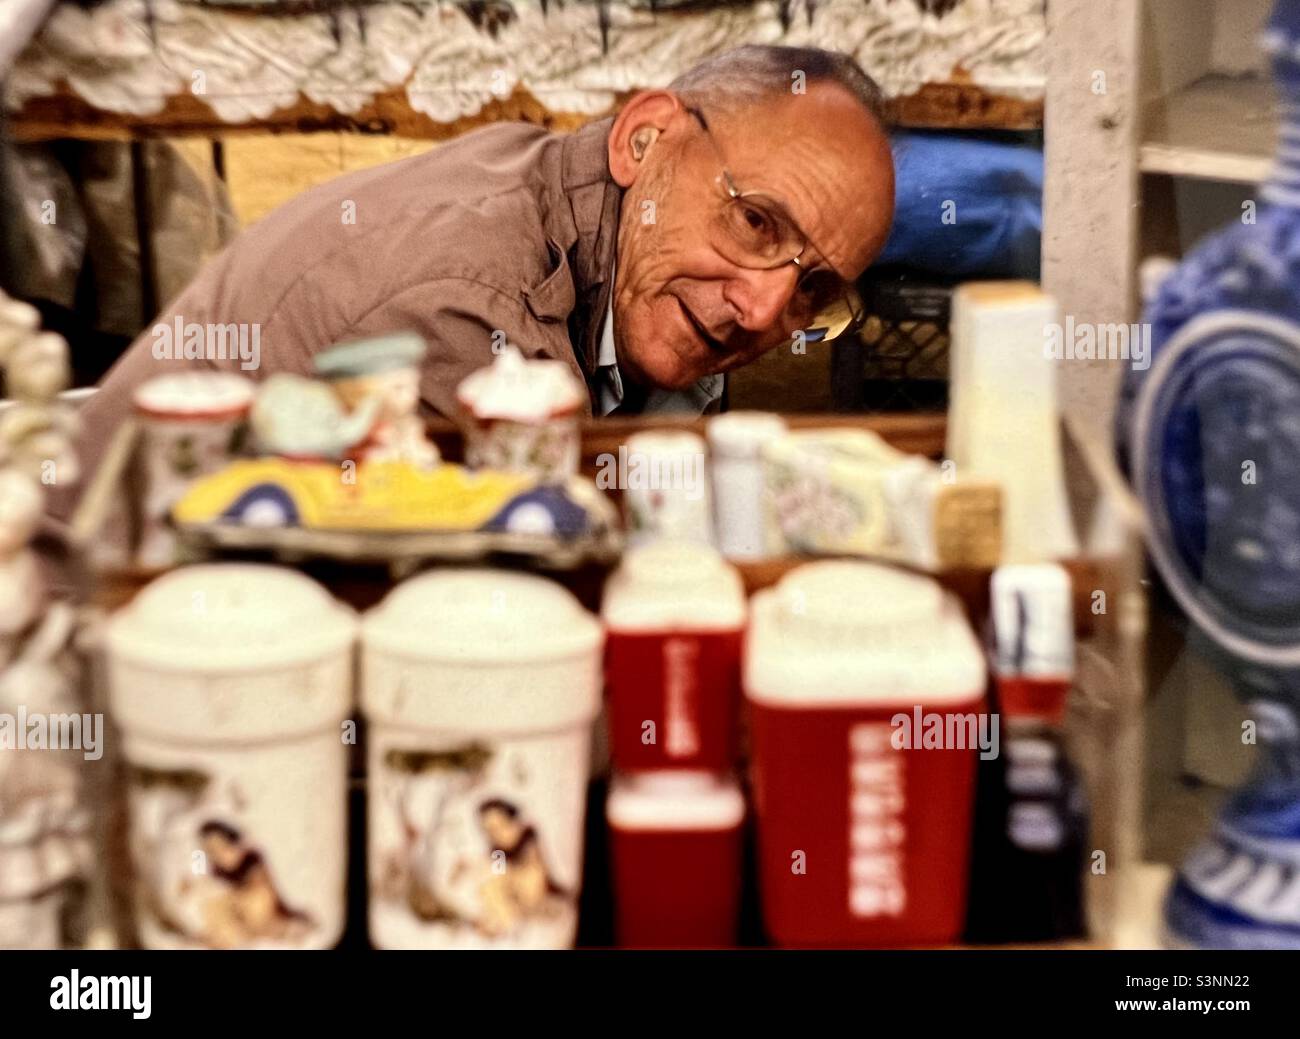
(636, 130)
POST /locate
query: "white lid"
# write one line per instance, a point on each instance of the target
(1033, 620)
(743, 433)
(194, 395)
(845, 633)
(224, 617)
(675, 800)
(863, 602)
(671, 585)
(480, 616)
(521, 390)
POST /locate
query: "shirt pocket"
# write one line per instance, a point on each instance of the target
(553, 298)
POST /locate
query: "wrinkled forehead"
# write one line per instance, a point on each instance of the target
(826, 158)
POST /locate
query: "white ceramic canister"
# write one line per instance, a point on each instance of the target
(230, 684)
(521, 415)
(191, 423)
(736, 442)
(665, 487)
(480, 688)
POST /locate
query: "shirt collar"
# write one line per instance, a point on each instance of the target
(607, 355)
(611, 381)
(694, 399)
(591, 201)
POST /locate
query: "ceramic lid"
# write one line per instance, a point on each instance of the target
(847, 633)
(675, 800)
(743, 433)
(670, 585)
(194, 395)
(224, 617)
(369, 356)
(481, 616)
(519, 389)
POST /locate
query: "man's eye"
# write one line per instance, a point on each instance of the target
(815, 285)
(753, 225)
(756, 219)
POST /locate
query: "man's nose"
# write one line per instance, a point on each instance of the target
(760, 297)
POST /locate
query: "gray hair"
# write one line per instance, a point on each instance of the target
(738, 78)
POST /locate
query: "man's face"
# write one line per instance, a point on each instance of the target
(397, 388)
(221, 851)
(682, 310)
(500, 828)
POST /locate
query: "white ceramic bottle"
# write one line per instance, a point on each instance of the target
(665, 487)
(736, 441)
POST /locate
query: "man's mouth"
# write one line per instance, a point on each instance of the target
(716, 345)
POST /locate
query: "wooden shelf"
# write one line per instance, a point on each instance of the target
(1217, 128)
(952, 105)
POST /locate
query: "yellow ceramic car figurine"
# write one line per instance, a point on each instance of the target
(379, 496)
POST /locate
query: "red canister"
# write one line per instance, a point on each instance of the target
(675, 845)
(866, 689)
(675, 616)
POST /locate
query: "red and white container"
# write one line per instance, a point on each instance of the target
(676, 846)
(675, 616)
(1033, 628)
(864, 823)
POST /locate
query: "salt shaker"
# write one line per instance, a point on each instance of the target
(191, 427)
(736, 442)
(666, 491)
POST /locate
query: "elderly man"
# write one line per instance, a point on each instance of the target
(652, 252)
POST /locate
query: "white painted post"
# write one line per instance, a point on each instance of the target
(1091, 195)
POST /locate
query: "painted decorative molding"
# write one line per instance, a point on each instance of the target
(574, 57)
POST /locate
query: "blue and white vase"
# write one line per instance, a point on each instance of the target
(1210, 437)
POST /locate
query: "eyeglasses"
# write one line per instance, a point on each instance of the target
(753, 230)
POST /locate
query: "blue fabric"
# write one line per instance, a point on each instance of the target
(996, 221)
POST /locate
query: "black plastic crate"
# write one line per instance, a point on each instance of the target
(898, 362)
